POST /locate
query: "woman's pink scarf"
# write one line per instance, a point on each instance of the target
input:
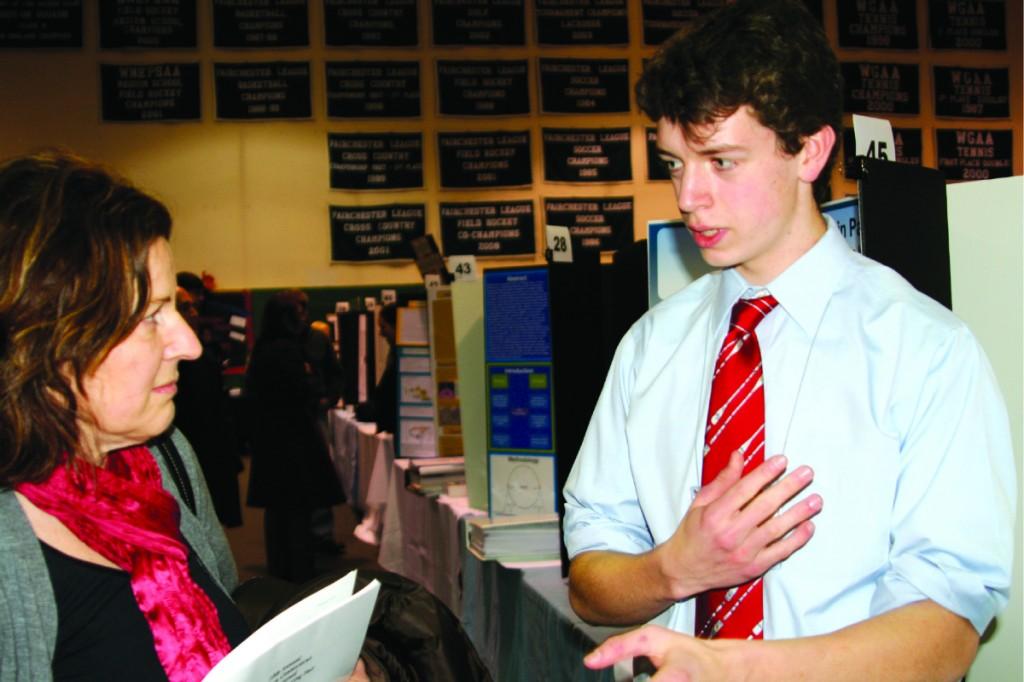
(123, 512)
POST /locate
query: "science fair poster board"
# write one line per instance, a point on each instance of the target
(416, 435)
(520, 406)
(445, 372)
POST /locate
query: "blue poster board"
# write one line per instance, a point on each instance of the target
(520, 406)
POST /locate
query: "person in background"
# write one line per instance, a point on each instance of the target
(202, 414)
(382, 407)
(325, 378)
(819, 484)
(291, 471)
(193, 284)
(323, 361)
(107, 572)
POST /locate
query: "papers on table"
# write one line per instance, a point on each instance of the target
(436, 475)
(514, 538)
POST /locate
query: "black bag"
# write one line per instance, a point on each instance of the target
(413, 636)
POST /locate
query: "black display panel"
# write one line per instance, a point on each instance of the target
(582, 22)
(662, 18)
(40, 23)
(371, 23)
(962, 92)
(478, 22)
(428, 258)
(903, 223)
(966, 154)
(498, 158)
(375, 160)
(483, 88)
(260, 23)
(370, 233)
(975, 25)
(150, 92)
(584, 86)
(155, 24)
(877, 88)
(596, 224)
(373, 89)
(499, 228)
(262, 90)
(578, 310)
(877, 23)
(587, 155)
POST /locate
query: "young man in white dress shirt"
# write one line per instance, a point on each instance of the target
(881, 519)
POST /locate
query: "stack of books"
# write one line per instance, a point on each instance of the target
(437, 476)
(514, 538)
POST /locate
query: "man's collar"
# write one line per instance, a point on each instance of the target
(803, 289)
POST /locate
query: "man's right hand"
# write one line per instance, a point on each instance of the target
(733, 532)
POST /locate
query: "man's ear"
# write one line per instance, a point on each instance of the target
(815, 153)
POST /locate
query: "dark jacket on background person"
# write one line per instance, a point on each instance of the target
(203, 415)
(290, 463)
(382, 407)
(326, 370)
(291, 467)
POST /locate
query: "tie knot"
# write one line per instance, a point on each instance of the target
(748, 312)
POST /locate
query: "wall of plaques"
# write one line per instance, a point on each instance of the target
(306, 142)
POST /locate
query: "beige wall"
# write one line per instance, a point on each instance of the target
(250, 199)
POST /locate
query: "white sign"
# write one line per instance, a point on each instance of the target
(370, 303)
(463, 268)
(873, 138)
(559, 242)
(521, 484)
(388, 296)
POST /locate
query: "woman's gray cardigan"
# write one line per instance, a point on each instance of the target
(28, 612)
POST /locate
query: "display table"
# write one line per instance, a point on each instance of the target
(517, 615)
(519, 619)
(362, 459)
(422, 537)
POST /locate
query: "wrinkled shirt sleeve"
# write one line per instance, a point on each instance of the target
(602, 510)
(952, 532)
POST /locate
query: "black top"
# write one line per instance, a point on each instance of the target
(382, 407)
(102, 634)
(291, 467)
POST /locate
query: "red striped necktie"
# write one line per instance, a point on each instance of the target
(736, 422)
